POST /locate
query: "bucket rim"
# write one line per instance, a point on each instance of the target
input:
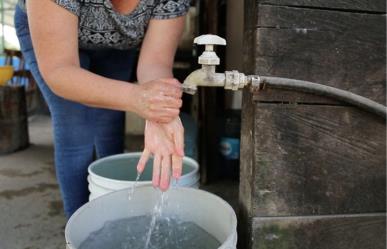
(188, 160)
(85, 207)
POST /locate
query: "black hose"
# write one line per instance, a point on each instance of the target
(310, 87)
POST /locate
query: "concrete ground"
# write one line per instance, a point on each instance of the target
(31, 210)
(30, 203)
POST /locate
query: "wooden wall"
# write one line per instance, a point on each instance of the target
(313, 173)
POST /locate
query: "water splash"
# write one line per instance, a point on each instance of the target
(175, 183)
(133, 187)
(157, 211)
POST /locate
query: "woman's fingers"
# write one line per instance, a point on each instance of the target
(156, 170)
(171, 81)
(172, 103)
(165, 173)
(178, 138)
(177, 166)
(174, 86)
(172, 90)
(143, 160)
(159, 98)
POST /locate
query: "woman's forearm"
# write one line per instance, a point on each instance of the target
(148, 72)
(79, 85)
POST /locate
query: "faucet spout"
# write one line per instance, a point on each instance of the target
(206, 76)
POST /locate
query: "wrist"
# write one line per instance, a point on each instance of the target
(132, 98)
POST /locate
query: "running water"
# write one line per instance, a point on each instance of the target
(130, 233)
(153, 231)
(133, 187)
(157, 210)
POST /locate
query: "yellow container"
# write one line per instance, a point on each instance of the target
(6, 73)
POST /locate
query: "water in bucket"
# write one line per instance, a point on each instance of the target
(190, 219)
(131, 233)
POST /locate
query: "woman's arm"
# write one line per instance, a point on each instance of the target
(164, 141)
(54, 33)
(159, 48)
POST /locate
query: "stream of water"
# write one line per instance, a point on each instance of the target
(133, 187)
(153, 231)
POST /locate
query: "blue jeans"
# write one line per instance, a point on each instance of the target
(79, 130)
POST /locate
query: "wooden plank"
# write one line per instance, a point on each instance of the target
(247, 168)
(339, 49)
(321, 232)
(250, 16)
(13, 119)
(378, 6)
(311, 159)
(289, 96)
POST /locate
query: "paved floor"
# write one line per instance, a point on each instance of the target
(31, 215)
(30, 204)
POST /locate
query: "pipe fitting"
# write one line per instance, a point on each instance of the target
(235, 80)
(256, 83)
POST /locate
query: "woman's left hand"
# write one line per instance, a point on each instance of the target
(166, 142)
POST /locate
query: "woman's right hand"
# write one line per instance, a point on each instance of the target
(159, 100)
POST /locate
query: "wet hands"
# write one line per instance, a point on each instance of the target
(166, 142)
(159, 100)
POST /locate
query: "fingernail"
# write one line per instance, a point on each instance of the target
(164, 188)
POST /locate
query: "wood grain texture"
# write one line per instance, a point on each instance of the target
(304, 155)
(13, 119)
(288, 96)
(311, 159)
(339, 49)
(321, 232)
(247, 169)
(378, 6)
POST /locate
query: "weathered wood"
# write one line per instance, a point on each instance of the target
(378, 6)
(339, 49)
(250, 17)
(304, 155)
(320, 232)
(247, 168)
(288, 96)
(13, 119)
(311, 159)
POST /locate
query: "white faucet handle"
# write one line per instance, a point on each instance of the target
(209, 40)
(209, 57)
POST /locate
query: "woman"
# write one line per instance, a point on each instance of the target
(81, 53)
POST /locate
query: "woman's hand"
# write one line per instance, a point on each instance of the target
(166, 143)
(159, 100)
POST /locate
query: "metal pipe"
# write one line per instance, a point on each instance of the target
(262, 82)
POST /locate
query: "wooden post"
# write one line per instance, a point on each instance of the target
(13, 119)
(313, 173)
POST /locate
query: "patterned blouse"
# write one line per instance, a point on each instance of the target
(100, 26)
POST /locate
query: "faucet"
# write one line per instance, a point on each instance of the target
(207, 75)
(233, 80)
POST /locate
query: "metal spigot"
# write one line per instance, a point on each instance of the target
(206, 76)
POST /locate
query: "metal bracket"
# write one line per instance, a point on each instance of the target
(256, 83)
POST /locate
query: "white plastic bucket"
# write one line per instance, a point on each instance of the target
(119, 171)
(205, 209)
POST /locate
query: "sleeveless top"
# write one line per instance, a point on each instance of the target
(100, 26)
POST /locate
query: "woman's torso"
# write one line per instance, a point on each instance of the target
(101, 26)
